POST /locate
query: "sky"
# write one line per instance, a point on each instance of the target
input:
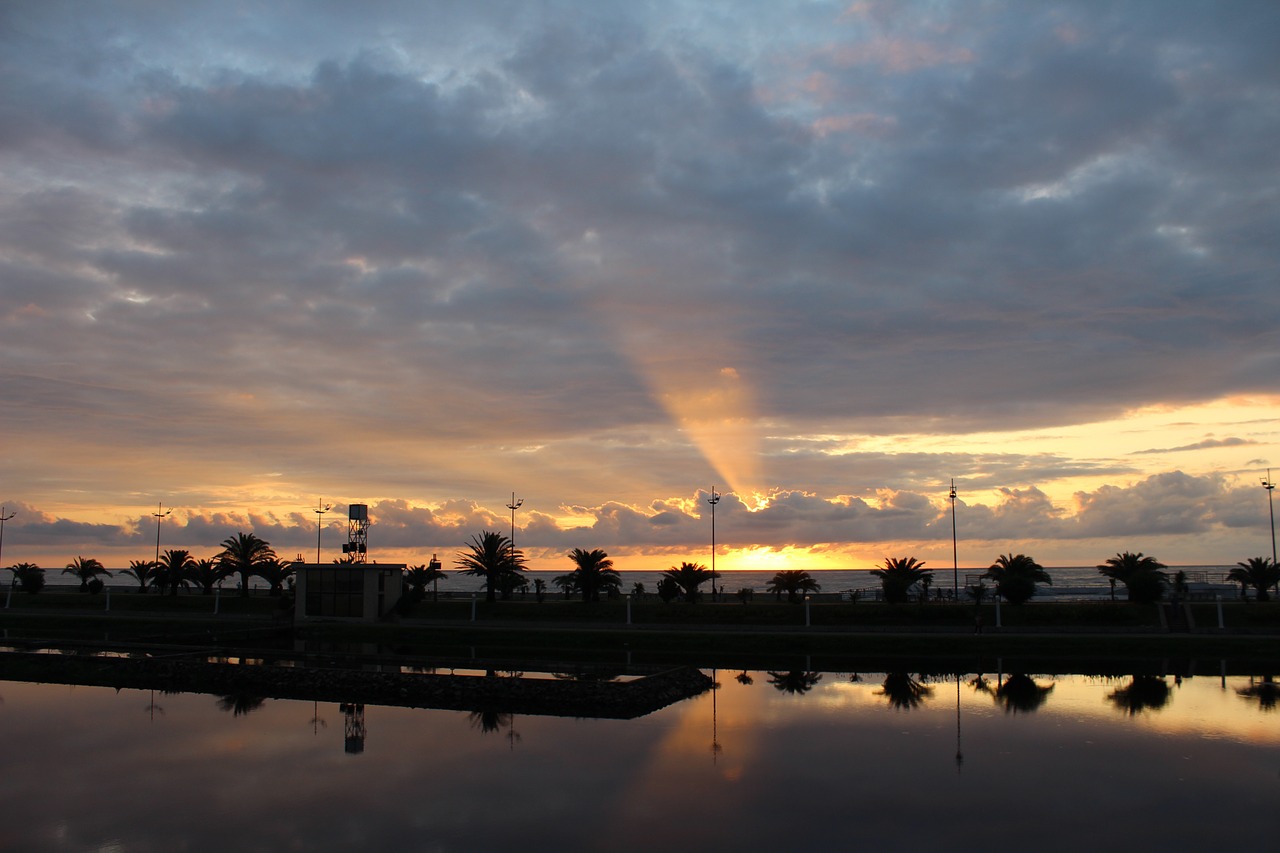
(824, 258)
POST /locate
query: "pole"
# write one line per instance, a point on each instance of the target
(320, 510)
(513, 506)
(955, 559)
(713, 500)
(159, 514)
(1270, 486)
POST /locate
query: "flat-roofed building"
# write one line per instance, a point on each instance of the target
(348, 591)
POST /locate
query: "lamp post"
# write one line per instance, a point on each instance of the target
(1270, 486)
(160, 514)
(513, 506)
(3, 518)
(955, 559)
(713, 500)
(320, 510)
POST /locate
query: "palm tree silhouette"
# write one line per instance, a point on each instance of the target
(1140, 575)
(29, 576)
(85, 568)
(174, 570)
(1259, 573)
(490, 556)
(688, 577)
(1016, 576)
(593, 572)
(206, 574)
(898, 575)
(419, 576)
(143, 571)
(792, 582)
(243, 554)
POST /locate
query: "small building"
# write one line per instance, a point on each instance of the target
(347, 591)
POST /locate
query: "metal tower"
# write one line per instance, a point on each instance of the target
(357, 546)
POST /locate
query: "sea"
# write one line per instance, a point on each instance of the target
(1069, 582)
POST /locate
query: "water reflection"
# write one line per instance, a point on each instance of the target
(1142, 693)
(826, 739)
(1265, 691)
(1021, 694)
(904, 692)
(240, 704)
(795, 682)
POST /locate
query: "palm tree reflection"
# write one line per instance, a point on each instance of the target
(1020, 693)
(796, 682)
(1142, 693)
(904, 692)
(1265, 691)
(240, 704)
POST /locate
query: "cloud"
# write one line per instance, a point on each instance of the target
(611, 254)
(1208, 443)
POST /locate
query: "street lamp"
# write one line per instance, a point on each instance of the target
(160, 514)
(321, 509)
(955, 560)
(713, 500)
(1270, 486)
(513, 506)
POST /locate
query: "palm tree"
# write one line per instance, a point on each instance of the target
(85, 568)
(275, 573)
(898, 575)
(593, 572)
(144, 571)
(491, 557)
(792, 582)
(688, 577)
(243, 554)
(1140, 575)
(1259, 573)
(207, 573)
(419, 576)
(174, 570)
(1016, 576)
(29, 577)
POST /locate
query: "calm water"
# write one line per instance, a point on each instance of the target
(769, 762)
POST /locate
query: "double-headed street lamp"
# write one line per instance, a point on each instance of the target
(320, 510)
(160, 515)
(713, 500)
(1270, 486)
(513, 506)
(955, 559)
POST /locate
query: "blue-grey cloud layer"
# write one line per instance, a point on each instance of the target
(401, 246)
